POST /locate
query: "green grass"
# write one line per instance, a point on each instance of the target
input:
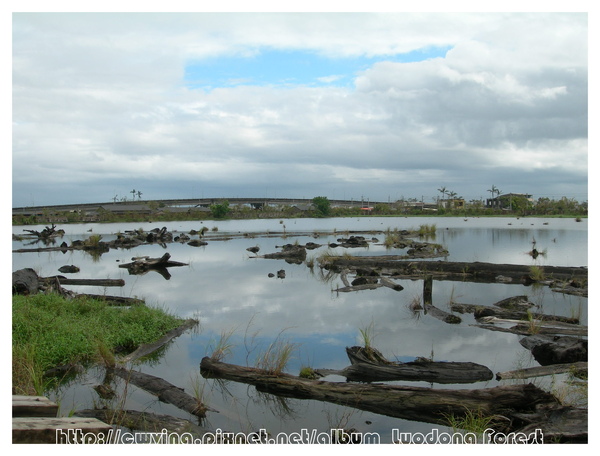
(471, 421)
(277, 356)
(50, 331)
(536, 273)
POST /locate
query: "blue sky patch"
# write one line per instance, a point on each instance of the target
(281, 68)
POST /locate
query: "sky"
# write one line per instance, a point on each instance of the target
(347, 105)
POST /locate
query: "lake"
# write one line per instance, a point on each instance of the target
(231, 293)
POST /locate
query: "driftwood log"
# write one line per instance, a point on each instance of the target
(454, 270)
(369, 365)
(146, 349)
(292, 254)
(406, 402)
(145, 421)
(165, 391)
(578, 368)
(489, 311)
(537, 326)
(92, 282)
(142, 265)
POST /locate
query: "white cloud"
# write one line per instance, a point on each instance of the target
(101, 99)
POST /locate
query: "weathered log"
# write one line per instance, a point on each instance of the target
(418, 371)
(556, 424)
(113, 300)
(454, 270)
(540, 371)
(366, 286)
(293, 254)
(165, 391)
(515, 302)
(487, 311)
(93, 282)
(147, 262)
(141, 265)
(25, 282)
(441, 315)
(406, 402)
(391, 284)
(146, 349)
(528, 330)
(145, 421)
(549, 350)
(539, 326)
(369, 365)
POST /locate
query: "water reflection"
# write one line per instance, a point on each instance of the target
(232, 292)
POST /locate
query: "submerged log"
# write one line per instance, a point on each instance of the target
(369, 365)
(165, 391)
(578, 368)
(146, 349)
(293, 254)
(556, 424)
(454, 270)
(145, 421)
(430, 309)
(534, 326)
(487, 311)
(406, 402)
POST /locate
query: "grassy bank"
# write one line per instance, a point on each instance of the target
(50, 331)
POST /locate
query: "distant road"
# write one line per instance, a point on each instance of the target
(257, 202)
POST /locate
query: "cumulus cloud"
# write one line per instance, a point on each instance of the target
(101, 103)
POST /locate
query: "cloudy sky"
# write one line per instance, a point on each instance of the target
(343, 105)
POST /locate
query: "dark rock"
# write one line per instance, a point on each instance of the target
(68, 269)
(25, 282)
(281, 274)
(549, 350)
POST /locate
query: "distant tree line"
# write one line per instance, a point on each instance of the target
(321, 207)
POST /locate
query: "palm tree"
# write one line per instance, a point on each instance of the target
(452, 196)
(494, 190)
(139, 194)
(133, 193)
(443, 191)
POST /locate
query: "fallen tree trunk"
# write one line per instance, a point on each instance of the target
(146, 422)
(113, 300)
(141, 265)
(453, 270)
(369, 365)
(146, 349)
(165, 391)
(527, 330)
(540, 371)
(557, 424)
(411, 403)
(488, 311)
(93, 282)
(423, 371)
(534, 326)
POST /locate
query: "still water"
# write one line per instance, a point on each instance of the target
(231, 293)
